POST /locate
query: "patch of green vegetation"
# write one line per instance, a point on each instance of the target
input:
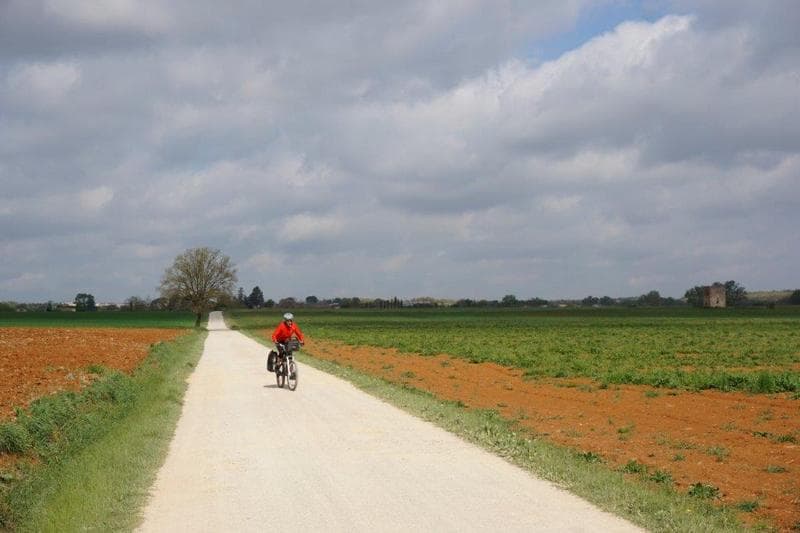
(625, 431)
(99, 319)
(738, 349)
(95, 453)
(720, 452)
(662, 477)
(765, 416)
(634, 467)
(775, 469)
(589, 457)
(703, 491)
(747, 506)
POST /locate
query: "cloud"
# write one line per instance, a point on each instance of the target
(22, 282)
(264, 263)
(560, 204)
(111, 14)
(409, 148)
(96, 199)
(42, 84)
(304, 227)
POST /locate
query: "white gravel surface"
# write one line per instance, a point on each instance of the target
(248, 456)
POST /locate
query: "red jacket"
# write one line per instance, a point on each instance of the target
(283, 333)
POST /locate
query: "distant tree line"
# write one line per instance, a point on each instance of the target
(255, 300)
(650, 299)
(509, 300)
(735, 294)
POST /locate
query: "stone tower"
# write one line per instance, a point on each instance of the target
(714, 296)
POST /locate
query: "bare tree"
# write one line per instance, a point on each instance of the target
(201, 277)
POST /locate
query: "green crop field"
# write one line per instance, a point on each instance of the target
(99, 319)
(749, 349)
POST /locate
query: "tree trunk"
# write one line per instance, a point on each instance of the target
(197, 322)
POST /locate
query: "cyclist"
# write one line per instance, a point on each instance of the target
(286, 329)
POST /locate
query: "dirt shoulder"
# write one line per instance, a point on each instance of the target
(746, 445)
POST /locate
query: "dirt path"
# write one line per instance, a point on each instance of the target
(248, 456)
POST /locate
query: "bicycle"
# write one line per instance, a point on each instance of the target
(286, 372)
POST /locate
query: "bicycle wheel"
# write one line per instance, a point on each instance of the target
(280, 374)
(292, 377)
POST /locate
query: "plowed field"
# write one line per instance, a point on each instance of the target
(746, 445)
(35, 362)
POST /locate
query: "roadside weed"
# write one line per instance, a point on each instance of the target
(590, 457)
(747, 506)
(634, 467)
(703, 491)
(660, 476)
(720, 452)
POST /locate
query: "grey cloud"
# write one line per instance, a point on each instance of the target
(771, 26)
(41, 29)
(379, 148)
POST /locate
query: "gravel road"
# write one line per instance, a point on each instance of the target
(248, 456)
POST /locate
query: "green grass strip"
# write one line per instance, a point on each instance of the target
(100, 449)
(651, 505)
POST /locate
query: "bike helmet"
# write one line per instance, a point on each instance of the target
(288, 316)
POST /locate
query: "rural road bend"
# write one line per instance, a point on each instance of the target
(248, 456)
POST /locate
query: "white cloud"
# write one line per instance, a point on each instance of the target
(24, 281)
(396, 263)
(64, 206)
(141, 251)
(311, 227)
(44, 84)
(111, 14)
(96, 199)
(264, 263)
(560, 204)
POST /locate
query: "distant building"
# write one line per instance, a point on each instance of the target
(714, 296)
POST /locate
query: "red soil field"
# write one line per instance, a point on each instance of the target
(746, 445)
(36, 362)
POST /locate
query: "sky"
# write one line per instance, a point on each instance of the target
(371, 148)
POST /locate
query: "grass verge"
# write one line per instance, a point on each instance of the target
(651, 505)
(89, 458)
